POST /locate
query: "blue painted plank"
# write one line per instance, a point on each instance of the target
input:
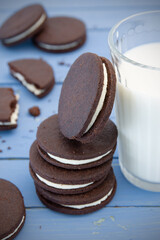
(5, 4)
(96, 18)
(17, 172)
(109, 223)
(100, 19)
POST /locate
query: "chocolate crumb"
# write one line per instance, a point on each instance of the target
(1, 151)
(9, 148)
(3, 141)
(64, 64)
(34, 111)
(61, 63)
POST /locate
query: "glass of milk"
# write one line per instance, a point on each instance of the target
(135, 49)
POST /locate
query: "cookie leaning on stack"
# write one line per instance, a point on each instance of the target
(70, 176)
(87, 98)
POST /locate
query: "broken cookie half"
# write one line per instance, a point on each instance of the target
(35, 74)
(9, 109)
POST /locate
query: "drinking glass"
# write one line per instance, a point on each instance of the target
(138, 99)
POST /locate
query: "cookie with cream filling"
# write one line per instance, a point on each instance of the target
(61, 34)
(82, 203)
(65, 153)
(87, 97)
(9, 109)
(35, 74)
(12, 210)
(23, 24)
(65, 181)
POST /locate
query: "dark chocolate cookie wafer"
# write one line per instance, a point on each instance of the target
(23, 24)
(9, 109)
(80, 203)
(61, 34)
(60, 151)
(35, 74)
(86, 98)
(64, 181)
(12, 210)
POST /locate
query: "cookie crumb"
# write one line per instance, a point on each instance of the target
(3, 141)
(34, 111)
(61, 63)
(64, 64)
(9, 148)
(1, 151)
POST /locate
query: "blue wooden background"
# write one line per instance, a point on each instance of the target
(133, 213)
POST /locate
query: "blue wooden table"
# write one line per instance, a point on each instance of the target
(133, 213)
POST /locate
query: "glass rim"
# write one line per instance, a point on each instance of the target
(117, 52)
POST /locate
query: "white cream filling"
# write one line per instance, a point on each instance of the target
(101, 100)
(90, 204)
(58, 47)
(27, 32)
(77, 162)
(29, 86)
(62, 186)
(11, 234)
(14, 116)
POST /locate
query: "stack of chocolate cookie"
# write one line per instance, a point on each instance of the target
(70, 161)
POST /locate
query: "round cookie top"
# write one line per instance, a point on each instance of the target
(65, 176)
(21, 21)
(35, 71)
(12, 210)
(52, 141)
(87, 98)
(61, 30)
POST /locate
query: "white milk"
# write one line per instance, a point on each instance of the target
(138, 113)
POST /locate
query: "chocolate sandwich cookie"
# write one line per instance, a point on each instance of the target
(61, 34)
(87, 97)
(23, 24)
(9, 109)
(64, 181)
(35, 74)
(81, 203)
(12, 210)
(65, 153)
